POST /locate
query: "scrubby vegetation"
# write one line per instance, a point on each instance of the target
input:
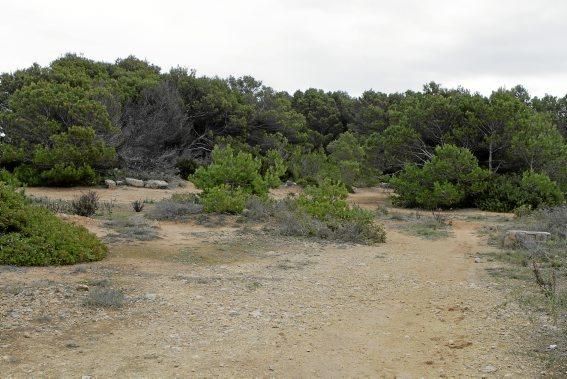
(542, 268)
(33, 236)
(76, 120)
(321, 212)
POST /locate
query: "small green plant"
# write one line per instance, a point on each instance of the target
(86, 205)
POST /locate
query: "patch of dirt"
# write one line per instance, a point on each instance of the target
(120, 195)
(215, 301)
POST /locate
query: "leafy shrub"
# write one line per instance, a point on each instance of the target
(232, 169)
(86, 205)
(224, 199)
(67, 176)
(34, 236)
(232, 177)
(538, 189)
(452, 178)
(508, 192)
(9, 178)
(71, 157)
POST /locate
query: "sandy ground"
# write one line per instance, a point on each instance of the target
(226, 302)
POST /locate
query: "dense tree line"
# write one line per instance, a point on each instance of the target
(73, 121)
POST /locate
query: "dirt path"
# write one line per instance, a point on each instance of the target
(216, 302)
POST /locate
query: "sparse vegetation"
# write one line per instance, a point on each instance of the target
(544, 266)
(177, 208)
(133, 228)
(322, 212)
(102, 297)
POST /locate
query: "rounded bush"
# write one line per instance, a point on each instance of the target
(34, 236)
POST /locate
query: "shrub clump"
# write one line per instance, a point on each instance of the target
(509, 192)
(34, 236)
(86, 205)
(179, 207)
(322, 212)
(452, 178)
(104, 298)
(233, 177)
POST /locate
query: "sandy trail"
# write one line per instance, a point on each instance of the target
(242, 305)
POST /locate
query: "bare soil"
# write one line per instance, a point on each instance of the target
(230, 301)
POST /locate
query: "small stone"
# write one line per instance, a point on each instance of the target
(110, 184)
(72, 345)
(27, 335)
(82, 287)
(256, 314)
(477, 260)
(134, 182)
(488, 369)
(150, 296)
(156, 184)
(552, 347)
(233, 313)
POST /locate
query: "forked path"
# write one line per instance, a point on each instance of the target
(269, 307)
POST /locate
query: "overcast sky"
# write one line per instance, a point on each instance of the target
(350, 45)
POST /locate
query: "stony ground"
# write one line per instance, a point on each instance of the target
(236, 302)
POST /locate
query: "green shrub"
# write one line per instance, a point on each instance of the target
(233, 177)
(502, 194)
(452, 178)
(9, 178)
(233, 169)
(327, 203)
(34, 236)
(508, 192)
(538, 189)
(67, 176)
(28, 175)
(224, 199)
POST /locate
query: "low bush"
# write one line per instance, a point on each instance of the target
(86, 205)
(104, 298)
(34, 236)
(54, 205)
(133, 228)
(177, 208)
(224, 199)
(508, 192)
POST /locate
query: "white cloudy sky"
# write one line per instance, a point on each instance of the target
(289, 44)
